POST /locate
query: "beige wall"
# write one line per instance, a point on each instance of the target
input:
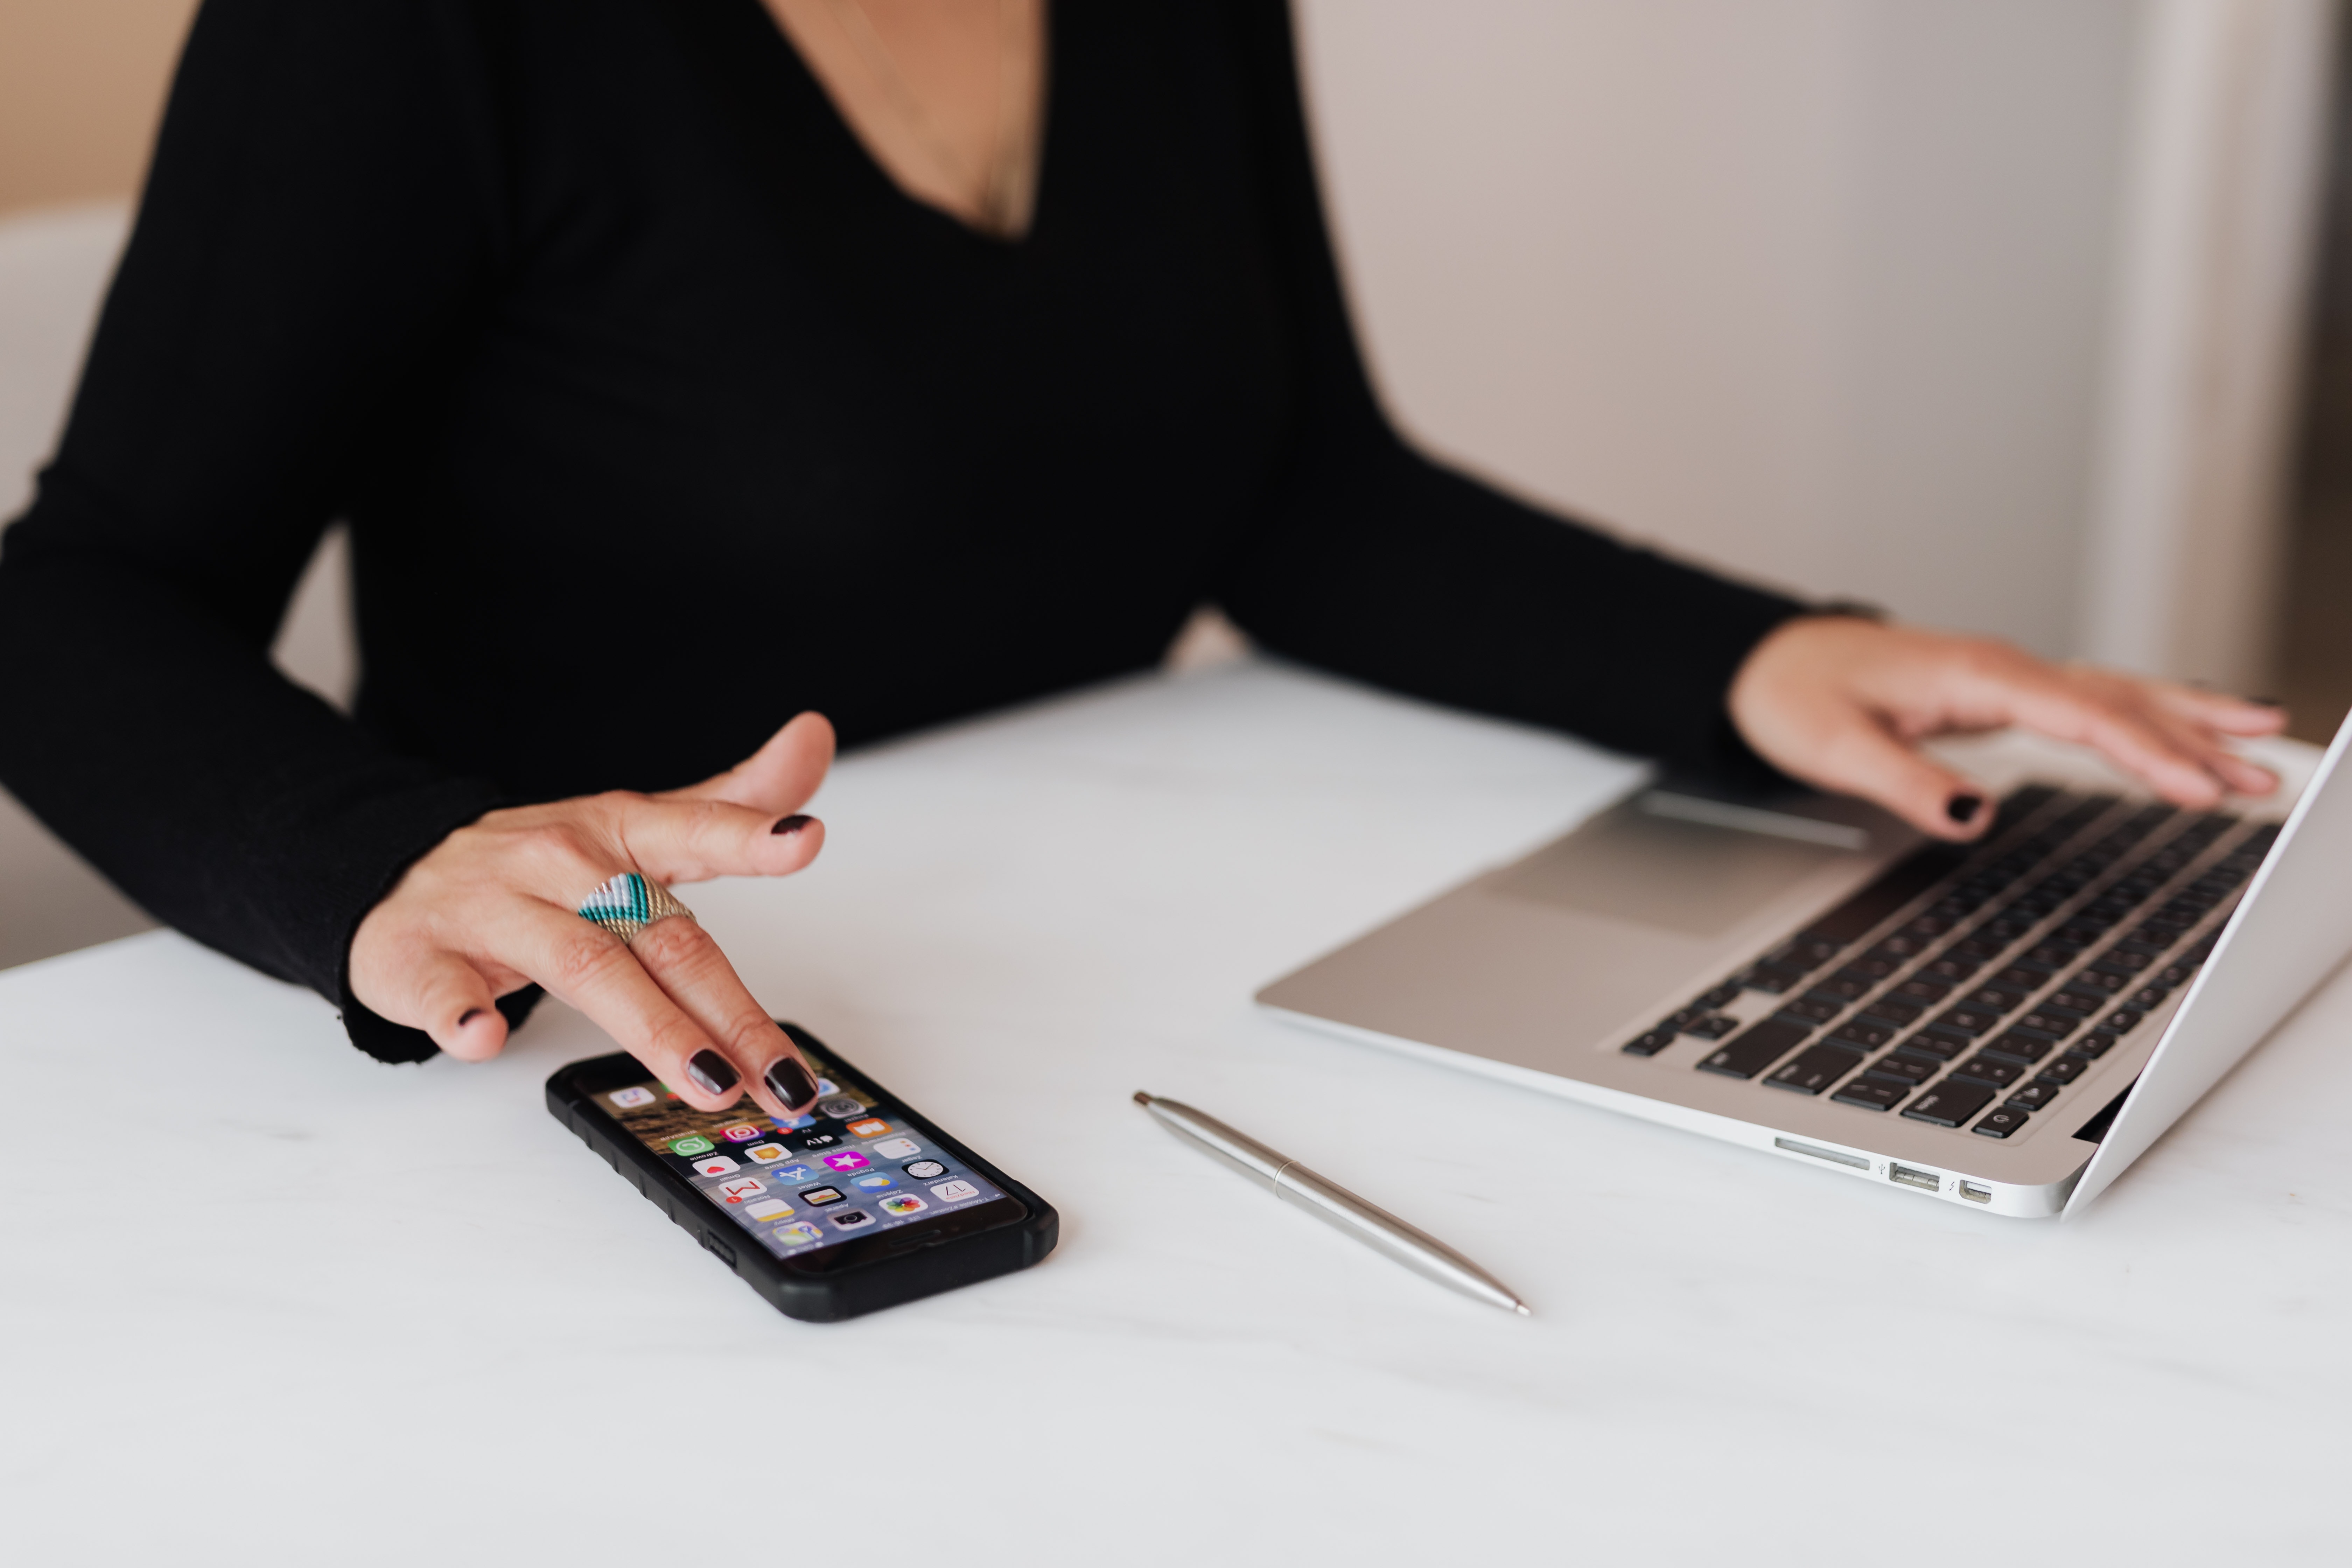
(81, 84)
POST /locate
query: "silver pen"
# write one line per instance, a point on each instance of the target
(1335, 1205)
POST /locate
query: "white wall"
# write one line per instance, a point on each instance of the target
(1818, 290)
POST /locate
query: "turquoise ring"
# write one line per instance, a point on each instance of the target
(628, 904)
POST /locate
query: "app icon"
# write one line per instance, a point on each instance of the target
(743, 1135)
(630, 1099)
(766, 1154)
(795, 1124)
(768, 1208)
(817, 1197)
(742, 1189)
(818, 1140)
(897, 1148)
(954, 1192)
(826, 1086)
(924, 1170)
(903, 1203)
(872, 1127)
(793, 1173)
(693, 1143)
(875, 1180)
(846, 1160)
(714, 1165)
(840, 1105)
(799, 1234)
(852, 1219)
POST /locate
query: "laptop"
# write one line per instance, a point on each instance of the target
(2006, 1025)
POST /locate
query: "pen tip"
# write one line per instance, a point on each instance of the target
(1141, 1097)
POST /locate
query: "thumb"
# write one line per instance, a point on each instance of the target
(1860, 757)
(780, 776)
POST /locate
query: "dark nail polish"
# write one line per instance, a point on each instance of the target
(792, 824)
(1963, 807)
(712, 1073)
(469, 1014)
(791, 1083)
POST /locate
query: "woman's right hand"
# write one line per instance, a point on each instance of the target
(490, 909)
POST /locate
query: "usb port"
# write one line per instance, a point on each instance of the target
(1975, 1193)
(1926, 1181)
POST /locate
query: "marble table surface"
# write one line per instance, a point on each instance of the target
(267, 1300)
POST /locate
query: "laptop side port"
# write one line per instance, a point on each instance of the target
(1975, 1193)
(1838, 1156)
(1926, 1181)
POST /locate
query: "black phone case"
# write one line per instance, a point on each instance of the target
(848, 1292)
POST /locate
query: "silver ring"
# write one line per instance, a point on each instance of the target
(628, 903)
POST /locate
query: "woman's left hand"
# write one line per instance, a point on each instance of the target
(1840, 703)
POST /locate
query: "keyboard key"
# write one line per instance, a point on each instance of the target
(1711, 1027)
(1727, 992)
(1863, 1034)
(1771, 978)
(2064, 1070)
(1989, 1070)
(2052, 1023)
(1814, 1070)
(2177, 972)
(1812, 1010)
(2083, 1002)
(1809, 950)
(1950, 969)
(2018, 1046)
(1932, 1042)
(1887, 1010)
(1872, 1094)
(1843, 987)
(2148, 998)
(2019, 977)
(2124, 966)
(1895, 887)
(2002, 1123)
(2120, 1021)
(1872, 970)
(1912, 1069)
(1899, 948)
(2093, 1045)
(1996, 998)
(1949, 1104)
(1968, 1020)
(1651, 1043)
(1760, 1047)
(2032, 1096)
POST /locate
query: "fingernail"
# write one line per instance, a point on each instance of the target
(712, 1073)
(792, 824)
(1964, 807)
(469, 1014)
(791, 1083)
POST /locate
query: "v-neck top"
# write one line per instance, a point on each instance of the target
(659, 413)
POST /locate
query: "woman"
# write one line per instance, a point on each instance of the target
(684, 365)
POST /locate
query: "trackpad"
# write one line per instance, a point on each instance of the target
(1692, 878)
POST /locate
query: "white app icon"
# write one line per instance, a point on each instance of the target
(630, 1099)
(840, 1105)
(742, 1189)
(897, 1148)
(768, 1208)
(954, 1192)
(713, 1165)
(766, 1154)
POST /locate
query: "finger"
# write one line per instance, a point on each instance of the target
(2231, 715)
(686, 962)
(695, 840)
(2194, 738)
(442, 994)
(1854, 755)
(2066, 711)
(780, 775)
(588, 967)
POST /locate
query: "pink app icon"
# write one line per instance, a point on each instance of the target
(743, 1135)
(846, 1160)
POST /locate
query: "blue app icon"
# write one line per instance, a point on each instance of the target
(791, 1172)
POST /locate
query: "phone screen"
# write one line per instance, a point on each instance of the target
(851, 1169)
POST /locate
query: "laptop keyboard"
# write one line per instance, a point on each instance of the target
(1910, 998)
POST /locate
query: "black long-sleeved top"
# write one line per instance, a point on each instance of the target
(659, 413)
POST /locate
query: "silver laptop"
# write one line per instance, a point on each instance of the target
(2005, 1026)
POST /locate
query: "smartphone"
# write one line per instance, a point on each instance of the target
(858, 1205)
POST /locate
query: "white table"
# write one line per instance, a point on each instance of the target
(269, 1301)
